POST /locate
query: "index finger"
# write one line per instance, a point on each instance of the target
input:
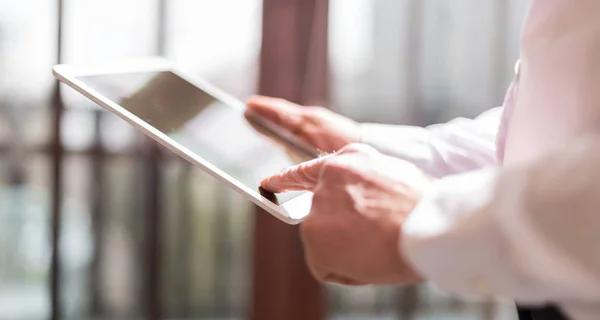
(304, 176)
(281, 112)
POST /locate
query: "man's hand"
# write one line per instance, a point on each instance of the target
(320, 128)
(361, 199)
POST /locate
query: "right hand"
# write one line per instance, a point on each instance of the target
(320, 128)
(361, 198)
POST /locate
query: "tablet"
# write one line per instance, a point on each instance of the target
(198, 122)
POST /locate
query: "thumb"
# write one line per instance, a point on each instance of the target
(304, 176)
(279, 111)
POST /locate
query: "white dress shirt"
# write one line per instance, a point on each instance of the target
(515, 213)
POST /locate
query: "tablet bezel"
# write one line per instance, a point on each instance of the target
(292, 211)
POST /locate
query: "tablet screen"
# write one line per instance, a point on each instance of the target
(193, 118)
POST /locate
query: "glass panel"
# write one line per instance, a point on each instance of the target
(5, 126)
(103, 258)
(109, 30)
(76, 239)
(437, 76)
(24, 248)
(206, 263)
(36, 127)
(24, 127)
(116, 134)
(216, 41)
(119, 270)
(27, 51)
(78, 129)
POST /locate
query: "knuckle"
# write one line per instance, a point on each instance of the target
(309, 131)
(357, 148)
(334, 168)
(280, 101)
(313, 115)
(315, 111)
(303, 174)
(320, 197)
(340, 166)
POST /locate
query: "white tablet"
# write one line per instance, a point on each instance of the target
(197, 121)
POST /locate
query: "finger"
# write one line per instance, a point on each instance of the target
(281, 112)
(300, 177)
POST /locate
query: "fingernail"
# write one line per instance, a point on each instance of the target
(252, 100)
(267, 184)
(264, 182)
(271, 184)
(258, 99)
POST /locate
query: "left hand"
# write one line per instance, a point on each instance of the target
(318, 127)
(361, 198)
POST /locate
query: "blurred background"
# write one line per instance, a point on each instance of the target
(96, 222)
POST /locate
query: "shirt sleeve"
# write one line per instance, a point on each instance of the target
(530, 233)
(454, 147)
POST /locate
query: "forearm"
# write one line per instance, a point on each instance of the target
(457, 146)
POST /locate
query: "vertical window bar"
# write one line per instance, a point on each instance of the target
(57, 181)
(152, 196)
(98, 214)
